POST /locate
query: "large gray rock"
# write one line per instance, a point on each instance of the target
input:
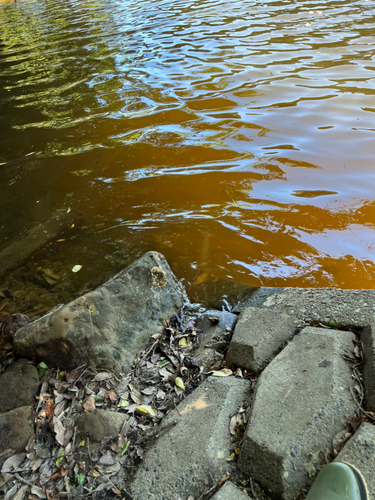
(344, 307)
(196, 448)
(107, 327)
(100, 424)
(360, 452)
(302, 401)
(368, 343)
(16, 428)
(230, 492)
(19, 385)
(258, 335)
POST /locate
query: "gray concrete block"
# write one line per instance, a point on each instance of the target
(196, 448)
(302, 401)
(344, 307)
(360, 452)
(230, 492)
(259, 334)
(368, 343)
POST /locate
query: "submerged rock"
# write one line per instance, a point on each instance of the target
(107, 327)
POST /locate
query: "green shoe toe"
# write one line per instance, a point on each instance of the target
(338, 481)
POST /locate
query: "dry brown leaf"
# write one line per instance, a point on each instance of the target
(59, 430)
(137, 397)
(107, 459)
(89, 404)
(49, 493)
(223, 480)
(74, 374)
(111, 396)
(102, 376)
(163, 372)
(233, 423)
(13, 462)
(3, 316)
(225, 372)
(21, 493)
(355, 421)
(155, 358)
(50, 408)
(68, 435)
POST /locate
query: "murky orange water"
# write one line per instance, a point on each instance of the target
(237, 138)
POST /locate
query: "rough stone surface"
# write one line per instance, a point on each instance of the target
(108, 326)
(360, 452)
(258, 335)
(230, 492)
(213, 327)
(368, 343)
(100, 424)
(16, 428)
(302, 401)
(19, 385)
(344, 307)
(196, 448)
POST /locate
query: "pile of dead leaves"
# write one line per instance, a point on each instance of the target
(59, 463)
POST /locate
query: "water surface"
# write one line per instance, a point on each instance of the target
(237, 138)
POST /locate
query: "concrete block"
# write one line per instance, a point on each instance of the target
(302, 401)
(368, 343)
(344, 307)
(360, 452)
(230, 492)
(196, 448)
(259, 334)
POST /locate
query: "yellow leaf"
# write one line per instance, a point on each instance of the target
(94, 473)
(179, 382)
(225, 372)
(232, 456)
(71, 227)
(82, 443)
(76, 268)
(147, 409)
(184, 343)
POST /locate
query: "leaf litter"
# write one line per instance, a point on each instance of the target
(52, 466)
(162, 375)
